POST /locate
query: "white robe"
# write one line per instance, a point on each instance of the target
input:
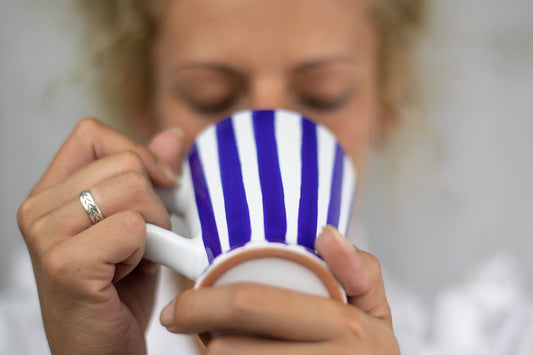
(489, 313)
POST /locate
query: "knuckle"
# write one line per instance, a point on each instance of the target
(352, 324)
(54, 265)
(36, 231)
(23, 214)
(131, 160)
(135, 180)
(87, 124)
(246, 301)
(133, 222)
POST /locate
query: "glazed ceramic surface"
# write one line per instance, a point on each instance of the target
(258, 180)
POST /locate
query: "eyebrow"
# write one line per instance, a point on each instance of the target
(225, 68)
(323, 61)
(221, 67)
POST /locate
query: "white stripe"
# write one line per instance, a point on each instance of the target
(191, 212)
(326, 159)
(208, 154)
(189, 200)
(288, 128)
(244, 135)
(348, 186)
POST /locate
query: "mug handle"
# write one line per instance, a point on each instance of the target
(184, 255)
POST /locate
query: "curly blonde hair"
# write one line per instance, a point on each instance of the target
(120, 34)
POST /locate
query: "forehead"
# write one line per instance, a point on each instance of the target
(265, 29)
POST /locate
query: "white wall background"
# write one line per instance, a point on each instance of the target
(474, 204)
(37, 53)
(478, 77)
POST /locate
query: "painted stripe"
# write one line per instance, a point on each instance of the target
(270, 177)
(244, 134)
(208, 153)
(326, 153)
(348, 190)
(309, 190)
(336, 189)
(188, 198)
(237, 214)
(288, 136)
(205, 209)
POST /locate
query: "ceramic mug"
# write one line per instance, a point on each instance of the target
(256, 190)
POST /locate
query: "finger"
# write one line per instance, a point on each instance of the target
(234, 344)
(89, 175)
(169, 147)
(358, 272)
(257, 309)
(125, 191)
(92, 140)
(88, 264)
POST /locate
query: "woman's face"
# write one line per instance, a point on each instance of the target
(317, 57)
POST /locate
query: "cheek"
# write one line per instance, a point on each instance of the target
(356, 128)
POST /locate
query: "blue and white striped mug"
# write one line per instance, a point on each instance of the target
(256, 190)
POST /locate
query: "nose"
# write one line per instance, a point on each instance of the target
(268, 93)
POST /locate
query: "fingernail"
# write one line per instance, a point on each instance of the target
(170, 174)
(343, 240)
(167, 314)
(177, 131)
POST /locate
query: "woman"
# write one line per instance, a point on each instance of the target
(188, 64)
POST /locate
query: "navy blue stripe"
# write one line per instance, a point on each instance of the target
(237, 214)
(269, 174)
(205, 208)
(307, 212)
(336, 189)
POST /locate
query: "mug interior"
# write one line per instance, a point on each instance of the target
(275, 264)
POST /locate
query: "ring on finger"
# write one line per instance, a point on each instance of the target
(90, 206)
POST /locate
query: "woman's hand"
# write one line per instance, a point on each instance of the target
(96, 292)
(289, 322)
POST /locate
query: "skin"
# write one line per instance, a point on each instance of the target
(315, 58)
(210, 58)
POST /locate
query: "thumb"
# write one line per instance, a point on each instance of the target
(169, 147)
(358, 272)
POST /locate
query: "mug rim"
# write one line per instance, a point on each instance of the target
(263, 250)
(258, 250)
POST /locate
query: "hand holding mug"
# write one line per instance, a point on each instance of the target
(260, 319)
(95, 290)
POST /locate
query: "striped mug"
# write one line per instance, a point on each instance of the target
(256, 190)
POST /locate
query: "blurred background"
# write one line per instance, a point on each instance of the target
(462, 217)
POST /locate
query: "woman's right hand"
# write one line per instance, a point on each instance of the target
(96, 291)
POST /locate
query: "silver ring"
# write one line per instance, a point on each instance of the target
(90, 206)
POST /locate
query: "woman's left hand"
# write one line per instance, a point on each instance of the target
(289, 322)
